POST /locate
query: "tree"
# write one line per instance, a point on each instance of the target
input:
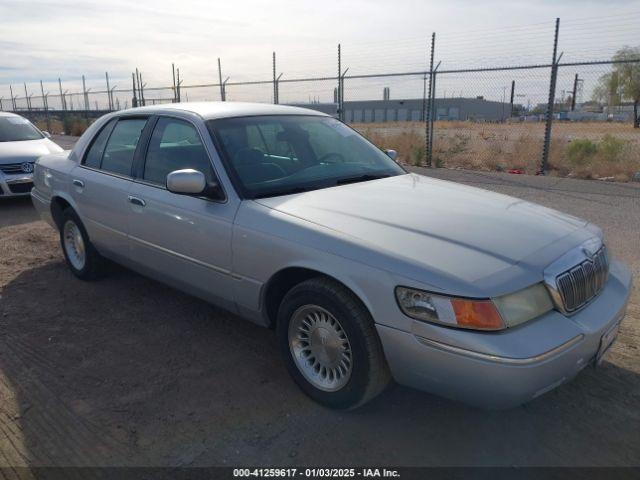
(623, 83)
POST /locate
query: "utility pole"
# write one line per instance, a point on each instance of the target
(574, 93)
(513, 91)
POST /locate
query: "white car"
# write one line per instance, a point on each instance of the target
(21, 143)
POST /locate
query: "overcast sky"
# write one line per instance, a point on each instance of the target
(56, 38)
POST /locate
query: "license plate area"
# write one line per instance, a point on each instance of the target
(606, 341)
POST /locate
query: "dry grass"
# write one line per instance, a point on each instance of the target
(55, 126)
(71, 125)
(491, 146)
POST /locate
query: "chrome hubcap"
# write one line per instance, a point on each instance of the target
(74, 245)
(320, 348)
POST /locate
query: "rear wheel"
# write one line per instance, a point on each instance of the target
(82, 258)
(330, 344)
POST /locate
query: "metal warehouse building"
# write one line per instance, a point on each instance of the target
(411, 110)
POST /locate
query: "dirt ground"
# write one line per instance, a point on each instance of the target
(126, 371)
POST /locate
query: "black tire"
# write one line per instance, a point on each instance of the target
(94, 263)
(369, 373)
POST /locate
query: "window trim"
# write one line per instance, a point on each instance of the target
(140, 162)
(108, 125)
(111, 124)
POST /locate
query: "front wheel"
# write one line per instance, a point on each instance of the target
(330, 344)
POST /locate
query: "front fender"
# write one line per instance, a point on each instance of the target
(263, 246)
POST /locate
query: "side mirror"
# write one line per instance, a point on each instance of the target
(46, 134)
(193, 182)
(186, 182)
(392, 154)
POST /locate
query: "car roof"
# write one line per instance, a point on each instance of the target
(213, 110)
(9, 114)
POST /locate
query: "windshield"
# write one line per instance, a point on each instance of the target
(282, 154)
(17, 129)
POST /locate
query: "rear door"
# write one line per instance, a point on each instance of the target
(184, 240)
(101, 183)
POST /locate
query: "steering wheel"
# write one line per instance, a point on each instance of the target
(339, 158)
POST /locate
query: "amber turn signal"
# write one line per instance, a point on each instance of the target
(477, 314)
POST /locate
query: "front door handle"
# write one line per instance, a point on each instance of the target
(78, 183)
(137, 201)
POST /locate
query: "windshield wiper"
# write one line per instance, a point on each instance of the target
(361, 178)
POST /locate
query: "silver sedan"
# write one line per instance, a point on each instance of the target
(291, 219)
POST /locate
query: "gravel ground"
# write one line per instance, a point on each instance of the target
(126, 371)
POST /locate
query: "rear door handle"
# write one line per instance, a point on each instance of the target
(78, 183)
(137, 201)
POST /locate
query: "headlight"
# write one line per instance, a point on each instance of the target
(452, 311)
(501, 312)
(522, 306)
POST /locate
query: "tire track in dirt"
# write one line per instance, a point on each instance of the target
(70, 438)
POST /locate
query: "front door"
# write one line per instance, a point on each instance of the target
(184, 240)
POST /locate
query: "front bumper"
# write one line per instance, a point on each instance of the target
(492, 375)
(18, 185)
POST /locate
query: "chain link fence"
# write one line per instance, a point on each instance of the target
(571, 119)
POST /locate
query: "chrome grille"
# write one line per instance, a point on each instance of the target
(13, 168)
(584, 281)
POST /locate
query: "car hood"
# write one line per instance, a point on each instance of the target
(26, 151)
(460, 231)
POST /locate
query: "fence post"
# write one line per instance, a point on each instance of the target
(552, 99)
(45, 104)
(13, 99)
(432, 111)
(427, 115)
(63, 104)
(275, 84)
(140, 88)
(179, 86)
(339, 92)
(222, 93)
(134, 100)
(85, 94)
(341, 97)
(175, 92)
(26, 95)
(106, 76)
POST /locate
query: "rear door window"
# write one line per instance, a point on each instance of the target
(121, 146)
(93, 157)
